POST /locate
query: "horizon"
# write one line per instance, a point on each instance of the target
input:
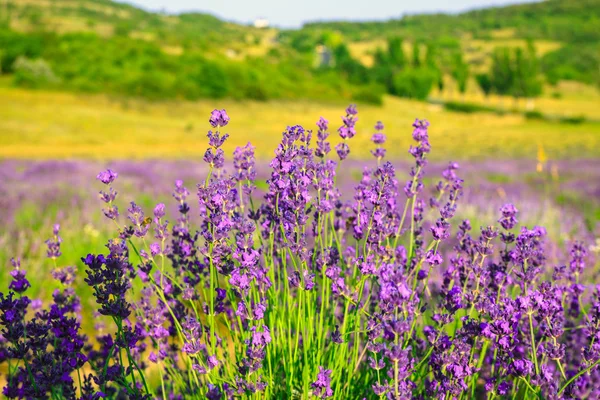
(291, 15)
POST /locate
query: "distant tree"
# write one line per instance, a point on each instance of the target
(33, 73)
(122, 28)
(331, 39)
(526, 83)
(380, 57)
(414, 83)
(35, 18)
(431, 56)
(440, 82)
(354, 70)
(432, 62)
(382, 70)
(416, 55)
(485, 83)
(573, 61)
(396, 53)
(460, 72)
(212, 80)
(502, 74)
(303, 43)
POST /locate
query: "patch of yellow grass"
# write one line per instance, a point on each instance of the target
(45, 125)
(73, 4)
(487, 46)
(575, 99)
(172, 50)
(503, 33)
(64, 24)
(363, 51)
(267, 40)
(143, 35)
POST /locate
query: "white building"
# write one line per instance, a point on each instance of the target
(261, 23)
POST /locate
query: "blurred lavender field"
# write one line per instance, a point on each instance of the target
(563, 196)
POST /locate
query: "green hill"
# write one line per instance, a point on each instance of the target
(562, 20)
(108, 47)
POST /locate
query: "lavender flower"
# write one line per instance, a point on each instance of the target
(242, 297)
(107, 177)
(322, 386)
(218, 118)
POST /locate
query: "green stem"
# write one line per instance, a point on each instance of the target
(578, 375)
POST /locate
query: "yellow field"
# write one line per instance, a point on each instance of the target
(575, 99)
(45, 125)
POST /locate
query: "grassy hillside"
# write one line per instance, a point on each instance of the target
(106, 47)
(107, 18)
(566, 34)
(561, 20)
(101, 46)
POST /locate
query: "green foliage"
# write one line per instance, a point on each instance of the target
(184, 56)
(354, 71)
(382, 70)
(15, 45)
(460, 72)
(372, 94)
(467, 108)
(416, 58)
(414, 83)
(396, 56)
(579, 62)
(516, 75)
(33, 73)
(525, 69)
(534, 115)
(502, 72)
(574, 120)
(303, 43)
(126, 66)
(485, 83)
(431, 55)
(573, 21)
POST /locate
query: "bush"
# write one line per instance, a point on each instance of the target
(15, 45)
(467, 107)
(369, 95)
(534, 115)
(575, 119)
(579, 62)
(414, 83)
(33, 73)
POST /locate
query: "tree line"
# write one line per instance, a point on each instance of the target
(513, 72)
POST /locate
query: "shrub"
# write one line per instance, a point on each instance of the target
(414, 83)
(575, 119)
(534, 115)
(33, 73)
(314, 291)
(369, 95)
(467, 107)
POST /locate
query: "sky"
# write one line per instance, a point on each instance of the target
(292, 13)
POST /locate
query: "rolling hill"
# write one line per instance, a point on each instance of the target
(101, 46)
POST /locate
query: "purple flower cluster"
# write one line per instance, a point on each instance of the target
(379, 139)
(44, 347)
(309, 292)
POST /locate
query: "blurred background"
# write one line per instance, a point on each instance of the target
(511, 91)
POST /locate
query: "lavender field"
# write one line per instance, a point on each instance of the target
(312, 275)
